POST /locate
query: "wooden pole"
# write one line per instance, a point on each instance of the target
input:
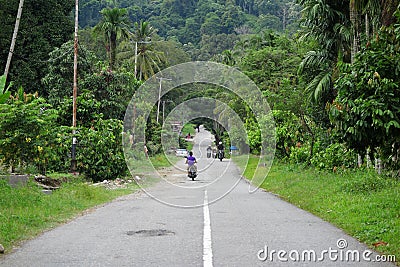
(14, 38)
(75, 89)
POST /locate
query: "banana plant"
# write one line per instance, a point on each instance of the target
(4, 93)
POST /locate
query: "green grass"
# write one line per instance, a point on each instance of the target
(362, 203)
(161, 161)
(26, 211)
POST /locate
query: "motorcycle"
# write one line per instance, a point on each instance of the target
(192, 172)
(220, 154)
(209, 150)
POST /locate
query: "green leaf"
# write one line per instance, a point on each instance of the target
(4, 97)
(392, 123)
(388, 112)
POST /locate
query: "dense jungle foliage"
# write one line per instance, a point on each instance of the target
(330, 71)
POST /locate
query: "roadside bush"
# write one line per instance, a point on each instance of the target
(89, 110)
(24, 125)
(288, 132)
(334, 156)
(55, 150)
(99, 152)
(300, 154)
(113, 90)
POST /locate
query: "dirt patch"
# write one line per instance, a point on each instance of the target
(173, 174)
(50, 182)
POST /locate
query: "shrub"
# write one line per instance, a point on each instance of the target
(54, 155)
(99, 151)
(334, 156)
(24, 126)
(300, 154)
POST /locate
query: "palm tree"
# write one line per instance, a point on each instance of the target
(143, 31)
(326, 22)
(114, 25)
(226, 57)
(147, 59)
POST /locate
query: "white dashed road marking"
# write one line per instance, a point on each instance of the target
(207, 249)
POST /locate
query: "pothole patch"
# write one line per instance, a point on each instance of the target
(150, 232)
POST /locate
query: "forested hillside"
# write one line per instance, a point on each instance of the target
(188, 21)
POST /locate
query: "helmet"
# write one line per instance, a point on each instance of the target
(220, 143)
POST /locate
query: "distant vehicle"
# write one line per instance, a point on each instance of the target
(220, 154)
(181, 152)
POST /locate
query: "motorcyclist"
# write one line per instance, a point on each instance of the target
(190, 161)
(220, 147)
(209, 150)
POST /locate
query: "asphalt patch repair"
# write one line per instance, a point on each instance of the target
(151, 232)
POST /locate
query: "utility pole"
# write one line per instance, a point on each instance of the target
(14, 38)
(135, 59)
(159, 95)
(163, 110)
(75, 90)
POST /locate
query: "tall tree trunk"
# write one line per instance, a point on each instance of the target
(14, 38)
(367, 26)
(113, 48)
(354, 18)
(284, 17)
(388, 8)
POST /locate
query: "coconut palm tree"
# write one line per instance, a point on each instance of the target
(147, 59)
(114, 25)
(143, 31)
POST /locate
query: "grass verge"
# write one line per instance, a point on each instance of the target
(162, 161)
(362, 203)
(25, 211)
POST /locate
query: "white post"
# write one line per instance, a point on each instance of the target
(359, 160)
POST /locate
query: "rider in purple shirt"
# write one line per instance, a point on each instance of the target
(190, 160)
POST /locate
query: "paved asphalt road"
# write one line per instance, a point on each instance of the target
(213, 221)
